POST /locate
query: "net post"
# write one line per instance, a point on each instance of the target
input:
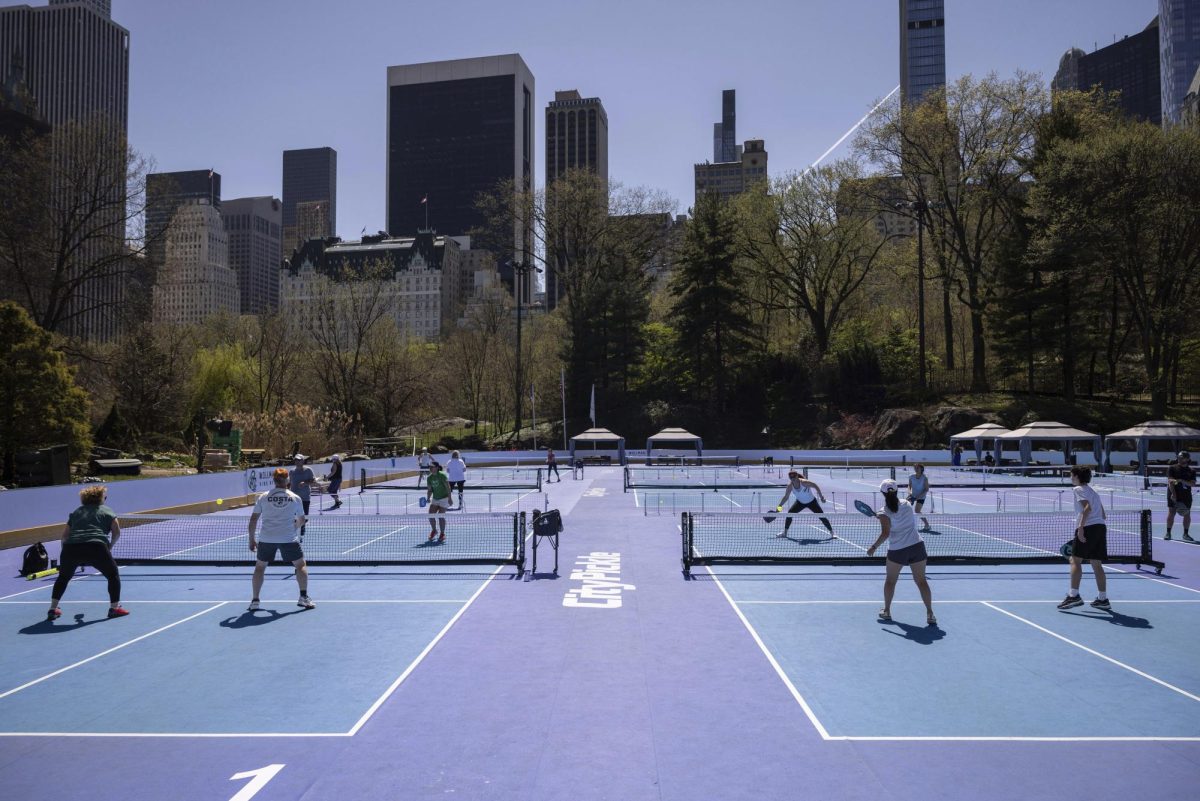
(362, 482)
(519, 541)
(685, 531)
(892, 472)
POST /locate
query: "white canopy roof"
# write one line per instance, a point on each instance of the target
(1158, 429)
(982, 430)
(1048, 430)
(597, 435)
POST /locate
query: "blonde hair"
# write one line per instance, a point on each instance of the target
(93, 494)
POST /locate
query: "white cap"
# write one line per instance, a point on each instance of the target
(299, 457)
(888, 485)
(337, 457)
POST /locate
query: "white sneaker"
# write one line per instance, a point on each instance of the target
(253, 607)
(306, 602)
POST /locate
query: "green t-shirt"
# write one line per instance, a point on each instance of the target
(439, 486)
(90, 523)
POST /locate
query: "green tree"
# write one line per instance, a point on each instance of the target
(1133, 192)
(40, 404)
(714, 331)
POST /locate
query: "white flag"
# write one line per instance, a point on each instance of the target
(592, 408)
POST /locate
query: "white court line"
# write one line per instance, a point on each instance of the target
(421, 656)
(196, 547)
(109, 651)
(875, 602)
(771, 659)
(377, 539)
(1119, 664)
(288, 600)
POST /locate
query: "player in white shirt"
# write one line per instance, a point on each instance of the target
(456, 474)
(802, 492)
(1090, 541)
(898, 525)
(282, 516)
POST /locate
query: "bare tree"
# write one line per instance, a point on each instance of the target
(813, 242)
(71, 211)
(272, 360)
(963, 153)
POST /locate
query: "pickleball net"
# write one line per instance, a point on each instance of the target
(328, 540)
(477, 478)
(978, 538)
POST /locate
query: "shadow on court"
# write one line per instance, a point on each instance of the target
(1116, 618)
(259, 618)
(47, 627)
(924, 635)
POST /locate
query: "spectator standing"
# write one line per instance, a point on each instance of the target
(456, 474)
(335, 479)
(1181, 478)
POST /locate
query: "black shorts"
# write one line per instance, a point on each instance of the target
(288, 551)
(908, 555)
(1179, 502)
(458, 485)
(1096, 546)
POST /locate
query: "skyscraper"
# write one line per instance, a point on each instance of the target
(576, 139)
(196, 281)
(76, 65)
(1179, 45)
(456, 129)
(309, 175)
(76, 58)
(253, 230)
(165, 193)
(1129, 67)
(922, 48)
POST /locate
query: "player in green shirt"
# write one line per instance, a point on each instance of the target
(87, 539)
(437, 493)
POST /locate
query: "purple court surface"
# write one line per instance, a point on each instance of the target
(617, 678)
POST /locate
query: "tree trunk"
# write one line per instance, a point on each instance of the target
(948, 322)
(979, 382)
(1068, 350)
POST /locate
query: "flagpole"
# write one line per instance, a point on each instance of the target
(533, 412)
(562, 391)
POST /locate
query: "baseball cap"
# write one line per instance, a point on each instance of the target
(1184, 455)
(337, 457)
(888, 485)
(299, 457)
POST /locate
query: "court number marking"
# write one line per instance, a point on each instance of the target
(259, 778)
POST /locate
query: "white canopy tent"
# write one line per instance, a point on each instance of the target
(597, 437)
(674, 439)
(1176, 437)
(978, 436)
(1043, 432)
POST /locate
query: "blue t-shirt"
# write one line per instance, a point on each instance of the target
(297, 477)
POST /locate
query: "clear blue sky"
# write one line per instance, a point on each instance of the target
(230, 84)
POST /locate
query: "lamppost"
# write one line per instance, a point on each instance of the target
(521, 270)
(921, 207)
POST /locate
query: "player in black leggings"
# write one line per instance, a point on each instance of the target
(86, 541)
(801, 490)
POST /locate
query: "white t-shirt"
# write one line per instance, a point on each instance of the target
(903, 531)
(424, 459)
(277, 511)
(799, 493)
(1084, 492)
(918, 486)
(456, 470)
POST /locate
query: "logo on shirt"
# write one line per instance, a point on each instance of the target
(279, 500)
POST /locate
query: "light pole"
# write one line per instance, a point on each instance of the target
(521, 270)
(920, 207)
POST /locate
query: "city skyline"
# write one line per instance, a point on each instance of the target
(657, 80)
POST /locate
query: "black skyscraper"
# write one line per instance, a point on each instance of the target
(310, 175)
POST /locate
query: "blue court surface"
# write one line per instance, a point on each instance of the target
(615, 678)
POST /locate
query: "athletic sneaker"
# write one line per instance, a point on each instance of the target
(1187, 537)
(1070, 602)
(1167, 536)
(930, 620)
(441, 539)
(118, 612)
(54, 614)
(1102, 604)
(306, 602)
(253, 607)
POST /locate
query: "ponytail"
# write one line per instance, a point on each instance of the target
(892, 501)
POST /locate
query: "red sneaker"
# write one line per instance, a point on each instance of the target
(54, 614)
(118, 612)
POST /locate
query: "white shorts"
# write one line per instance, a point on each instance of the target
(440, 503)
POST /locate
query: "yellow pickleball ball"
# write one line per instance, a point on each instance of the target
(220, 501)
